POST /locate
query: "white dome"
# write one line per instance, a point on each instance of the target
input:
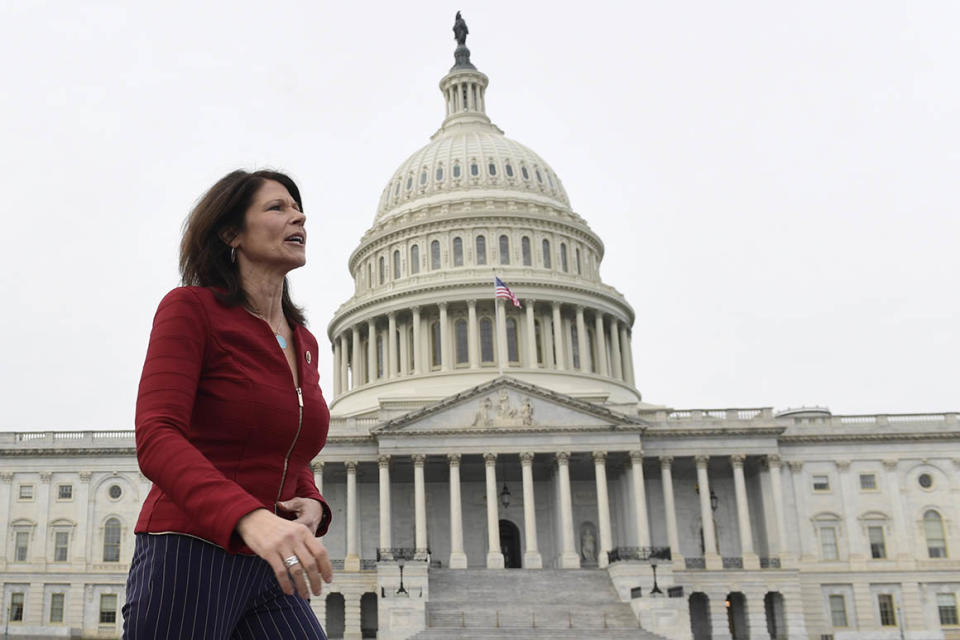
(475, 157)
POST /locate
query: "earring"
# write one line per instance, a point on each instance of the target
(233, 254)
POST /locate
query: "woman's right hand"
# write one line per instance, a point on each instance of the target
(274, 539)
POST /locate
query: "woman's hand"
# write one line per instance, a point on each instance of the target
(275, 539)
(307, 511)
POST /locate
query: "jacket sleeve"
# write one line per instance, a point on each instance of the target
(307, 488)
(168, 387)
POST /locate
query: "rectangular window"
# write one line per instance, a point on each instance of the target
(61, 540)
(878, 549)
(838, 611)
(868, 482)
(108, 608)
(821, 483)
(56, 607)
(26, 492)
(828, 543)
(21, 542)
(65, 492)
(947, 607)
(888, 615)
(16, 606)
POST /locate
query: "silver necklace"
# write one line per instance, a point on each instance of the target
(280, 339)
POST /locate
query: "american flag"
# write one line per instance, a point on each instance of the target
(503, 291)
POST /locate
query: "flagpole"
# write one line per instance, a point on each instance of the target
(499, 308)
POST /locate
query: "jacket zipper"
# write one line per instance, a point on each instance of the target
(286, 459)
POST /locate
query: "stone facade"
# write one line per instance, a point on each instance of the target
(469, 434)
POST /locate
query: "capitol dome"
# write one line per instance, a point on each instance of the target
(470, 206)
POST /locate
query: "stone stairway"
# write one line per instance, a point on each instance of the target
(488, 604)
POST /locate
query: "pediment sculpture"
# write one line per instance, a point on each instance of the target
(505, 414)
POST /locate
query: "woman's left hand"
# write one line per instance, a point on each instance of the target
(307, 511)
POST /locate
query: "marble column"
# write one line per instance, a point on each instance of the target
(711, 557)
(627, 349)
(531, 555)
(558, 337)
(582, 340)
(598, 330)
(317, 468)
(775, 465)
(417, 349)
(386, 539)
(639, 499)
(546, 333)
(371, 350)
(444, 339)
(502, 356)
(473, 335)
(343, 359)
(750, 559)
(603, 507)
(569, 558)
(458, 559)
(392, 359)
(404, 349)
(419, 506)
(352, 561)
(670, 509)
(531, 335)
(338, 357)
(616, 357)
(494, 555)
(356, 364)
(901, 543)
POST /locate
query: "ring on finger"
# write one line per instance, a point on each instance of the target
(291, 561)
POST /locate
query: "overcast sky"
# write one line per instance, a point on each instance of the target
(776, 184)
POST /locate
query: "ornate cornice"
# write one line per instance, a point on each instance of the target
(869, 437)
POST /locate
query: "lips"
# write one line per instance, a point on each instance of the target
(297, 238)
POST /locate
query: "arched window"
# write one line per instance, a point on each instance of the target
(456, 170)
(383, 270)
(423, 177)
(474, 169)
(379, 355)
(440, 173)
(504, 250)
(370, 275)
(111, 540)
(539, 177)
(574, 346)
(563, 256)
(460, 329)
(509, 170)
(513, 353)
(435, 254)
(435, 344)
(409, 182)
(523, 171)
(481, 250)
(546, 254)
(525, 250)
(396, 191)
(486, 340)
(538, 337)
(579, 271)
(457, 252)
(396, 264)
(492, 169)
(933, 530)
(415, 259)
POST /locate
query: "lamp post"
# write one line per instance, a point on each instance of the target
(400, 564)
(505, 496)
(656, 588)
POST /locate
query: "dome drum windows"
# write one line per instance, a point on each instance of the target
(524, 172)
(383, 270)
(486, 340)
(492, 169)
(504, 250)
(423, 177)
(415, 259)
(525, 251)
(435, 255)
(460, 334)
(546, 254)
(508, 169)
(458, 252)
(440, 173)
(481, 243)
(563, 257)
(396, 264)
(456, 170)
(474, 168)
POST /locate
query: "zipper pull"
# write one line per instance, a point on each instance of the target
(300, 397)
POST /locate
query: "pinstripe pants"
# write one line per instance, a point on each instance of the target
(182, 588)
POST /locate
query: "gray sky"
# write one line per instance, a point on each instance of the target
(775, 183)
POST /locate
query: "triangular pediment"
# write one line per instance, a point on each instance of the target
(507, 404)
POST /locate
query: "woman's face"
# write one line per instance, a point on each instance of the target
(273, 237)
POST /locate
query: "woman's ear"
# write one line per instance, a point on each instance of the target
(228, 236)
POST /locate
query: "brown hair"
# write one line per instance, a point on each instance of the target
(220, 213)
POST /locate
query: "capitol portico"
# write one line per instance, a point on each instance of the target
(493, 469)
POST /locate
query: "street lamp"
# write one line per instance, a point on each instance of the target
(714, 500)
(656, 588)
(505, 496)
(400, 563)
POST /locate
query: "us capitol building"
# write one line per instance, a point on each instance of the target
(494, 471)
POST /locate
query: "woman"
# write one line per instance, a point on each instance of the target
(229, 416)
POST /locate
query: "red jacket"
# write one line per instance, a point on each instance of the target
(220, 428)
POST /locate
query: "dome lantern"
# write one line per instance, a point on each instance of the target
(463, 87)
